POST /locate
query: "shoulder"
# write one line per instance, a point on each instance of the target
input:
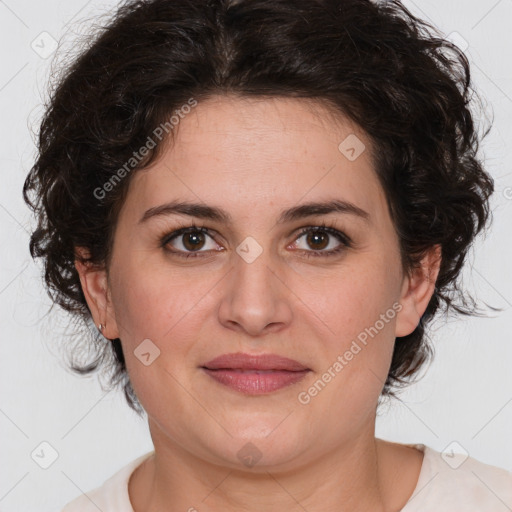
(111, 496)
(452, 481)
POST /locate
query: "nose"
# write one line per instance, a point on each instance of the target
(256, 299)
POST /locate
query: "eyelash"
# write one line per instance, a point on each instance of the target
(346, 242)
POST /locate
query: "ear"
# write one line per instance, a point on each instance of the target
(97, 293)
(417, 290)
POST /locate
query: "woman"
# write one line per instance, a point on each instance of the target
(261, 205)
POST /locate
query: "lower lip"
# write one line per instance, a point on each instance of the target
(254, 383)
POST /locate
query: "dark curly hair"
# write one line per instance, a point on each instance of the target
(405, 84)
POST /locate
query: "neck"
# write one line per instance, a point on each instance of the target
(355, 476)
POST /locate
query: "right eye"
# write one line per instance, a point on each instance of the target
(191, 239)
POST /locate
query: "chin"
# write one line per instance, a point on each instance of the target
(261, 447)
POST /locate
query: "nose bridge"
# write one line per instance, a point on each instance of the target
(252, 272)
(254, 298)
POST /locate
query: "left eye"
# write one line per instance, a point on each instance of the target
(317, 238)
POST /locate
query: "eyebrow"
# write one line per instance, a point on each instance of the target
(212, 213)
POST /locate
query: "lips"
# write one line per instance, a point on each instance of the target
(255, 375)
(264, 362)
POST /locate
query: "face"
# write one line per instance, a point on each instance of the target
(323, 288)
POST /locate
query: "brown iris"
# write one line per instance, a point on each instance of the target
(314, 237)
(196, 239)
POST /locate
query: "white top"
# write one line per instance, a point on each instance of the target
(447, 483)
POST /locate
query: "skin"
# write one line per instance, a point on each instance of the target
(254, 158)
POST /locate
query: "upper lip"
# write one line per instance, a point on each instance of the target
(241, 361)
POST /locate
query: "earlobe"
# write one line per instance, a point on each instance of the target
(95, 287)
(417, 290)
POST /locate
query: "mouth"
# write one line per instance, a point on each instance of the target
(255, 375)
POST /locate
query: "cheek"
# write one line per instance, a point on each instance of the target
(357, 308)
(357, 351)
(151, 301)
(159, 308)
(352, 298)
(166, 306)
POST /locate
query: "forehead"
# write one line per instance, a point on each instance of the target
(260, 152)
